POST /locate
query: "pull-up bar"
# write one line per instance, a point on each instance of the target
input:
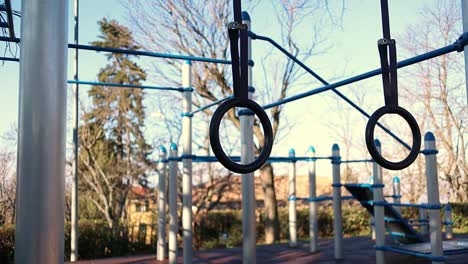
(135, 52)
(122, 85)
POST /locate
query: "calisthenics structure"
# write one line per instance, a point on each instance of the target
(41, 138)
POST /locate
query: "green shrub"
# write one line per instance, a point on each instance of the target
(7, 243)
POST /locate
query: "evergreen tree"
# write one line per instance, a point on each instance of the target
(113, 150)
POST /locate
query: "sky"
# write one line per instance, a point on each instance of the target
(352, 50)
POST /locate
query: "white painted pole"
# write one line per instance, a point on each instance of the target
(396, 192)
(313, 225)
(337, 219)
(464, 5)
(40, 203)
(248, 180)
(187, 162)
(173, 221)
(423, 221)
(162, 169)
(371, 219)
(432, 181)
(292, 201)
(379, 220)
(74, 186)
(448, 222)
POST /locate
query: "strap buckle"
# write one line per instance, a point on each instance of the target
(236, 26)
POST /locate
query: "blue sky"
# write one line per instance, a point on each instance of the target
(353, 50)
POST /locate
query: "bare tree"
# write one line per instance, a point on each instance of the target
(435, 90)
(198, 28)
(8, 176)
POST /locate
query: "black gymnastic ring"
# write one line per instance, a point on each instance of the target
(216, 144)
(413, 124)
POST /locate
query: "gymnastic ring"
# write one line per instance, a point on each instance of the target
(216, 144)
(413, 124)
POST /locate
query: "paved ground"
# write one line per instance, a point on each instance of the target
(356, 250)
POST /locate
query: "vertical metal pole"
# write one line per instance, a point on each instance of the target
(379, 220)
(448, 222)
(248, 180)
(173, 221)
(464, 5)
(187, 162)
(74, 187)
(432, 181)
(313, 226)
(396, 192)
(337, 219)
(40, 207)
(292, 200)
(423, 220)
(371, 219)
(162, 169)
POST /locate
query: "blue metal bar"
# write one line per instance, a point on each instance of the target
(210, 105)
(148, 54)
(136, 52)
(121, 85)
(356, 161)
(9, 59)
(341, 95)
(410, 252)
(424, 206)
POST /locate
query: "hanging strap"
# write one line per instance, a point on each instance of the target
(388, 59)
(239, 64)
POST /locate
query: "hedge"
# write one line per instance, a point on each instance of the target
(215, 230)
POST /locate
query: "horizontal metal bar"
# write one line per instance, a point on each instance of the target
(9, 59)
(3, 24)
(210, 105)
(357, 161)
(135, 52)
(147, 87)
(148, 54)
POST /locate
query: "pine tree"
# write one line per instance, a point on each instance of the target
(113, 148)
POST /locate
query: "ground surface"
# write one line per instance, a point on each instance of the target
(356, 250)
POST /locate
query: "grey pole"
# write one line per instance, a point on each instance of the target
(432, 181)
(464, 5)
(313, 226)
(292, 201)
(187, 163)
(40, 189)
(396, 192)
(74, 187)
(448, 222)
(371, 218)
(337, 219)
(173, 221)
(162, 169)
(248, 180)
(379, 220)
(423, 220)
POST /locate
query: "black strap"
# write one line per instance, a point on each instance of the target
(388, 59)
(239, 64)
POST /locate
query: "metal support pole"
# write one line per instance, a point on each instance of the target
(74, 186)
(464, 7)
(187, 163)
(423, 220)
(448, 222)
(40, 206)
(173, 221)
(248, 180)
(435, 227)
(292, 201)
(396, 192)
(337, 219)
(379, 220)
(313, 226)
(371, 218)
(162, 169)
